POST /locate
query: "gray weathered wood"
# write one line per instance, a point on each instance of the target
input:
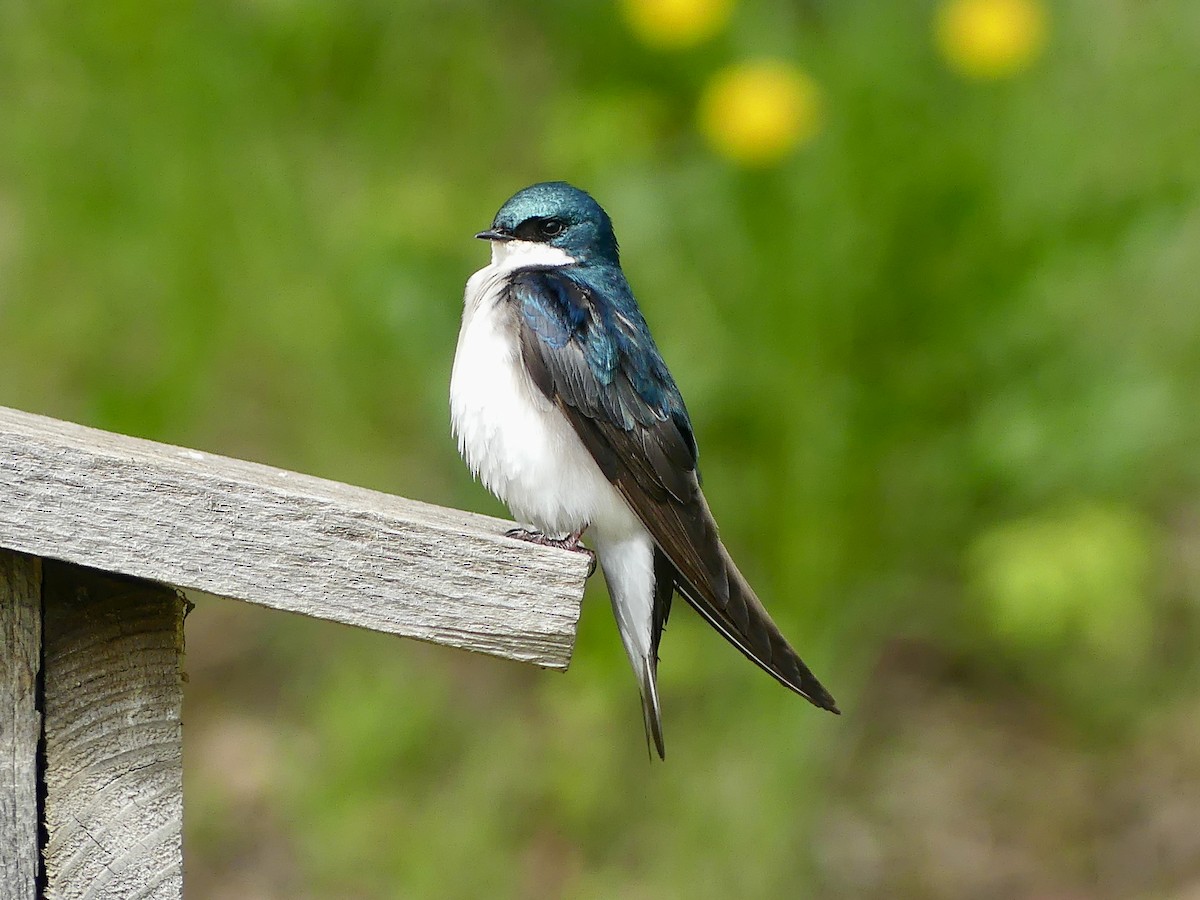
(20, 723)
(283, 540)
(114, 742)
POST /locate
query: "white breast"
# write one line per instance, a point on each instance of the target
(515, 441)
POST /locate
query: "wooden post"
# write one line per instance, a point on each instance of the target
(114, 742)
(20, 723)
(93, 526)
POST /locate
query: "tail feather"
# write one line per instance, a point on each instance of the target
(650, 708)
(633, 570)
(664, 590)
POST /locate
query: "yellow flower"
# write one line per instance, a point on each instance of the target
(756, 113)
(991, 38)
(676, 23)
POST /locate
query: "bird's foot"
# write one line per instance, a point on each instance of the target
(570, 542)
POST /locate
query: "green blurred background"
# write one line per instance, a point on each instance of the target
(940, 340)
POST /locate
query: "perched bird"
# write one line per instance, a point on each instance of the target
(564, 409)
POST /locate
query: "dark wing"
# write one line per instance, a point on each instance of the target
(595, 359)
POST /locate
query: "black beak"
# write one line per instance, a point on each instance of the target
(493, 235)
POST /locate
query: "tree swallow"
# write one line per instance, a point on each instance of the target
(564, 409)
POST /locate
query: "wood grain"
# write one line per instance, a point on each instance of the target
(284, 540)
(114, 742)
(20, 723)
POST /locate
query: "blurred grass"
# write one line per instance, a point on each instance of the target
(942, 361)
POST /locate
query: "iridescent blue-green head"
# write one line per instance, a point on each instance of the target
(558, 215)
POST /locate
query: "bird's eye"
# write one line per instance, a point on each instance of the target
(551, 227)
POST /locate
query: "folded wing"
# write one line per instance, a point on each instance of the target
(595, 359)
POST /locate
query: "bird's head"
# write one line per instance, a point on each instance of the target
(564, 225)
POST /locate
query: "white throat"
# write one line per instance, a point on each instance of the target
(508, 256)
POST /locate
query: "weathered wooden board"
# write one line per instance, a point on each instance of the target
(283, 540)
(114, 737)
(20, 723)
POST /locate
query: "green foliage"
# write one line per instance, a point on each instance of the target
(942, 364)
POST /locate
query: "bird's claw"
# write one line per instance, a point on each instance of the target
(570, 542)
